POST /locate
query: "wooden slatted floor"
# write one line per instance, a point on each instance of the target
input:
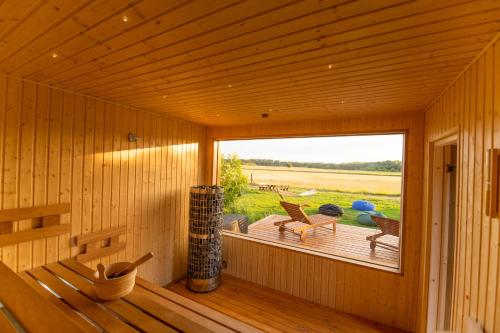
(274, 311)
(347, 242)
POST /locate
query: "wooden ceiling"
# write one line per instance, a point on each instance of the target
(225, 62)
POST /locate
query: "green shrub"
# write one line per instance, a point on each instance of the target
(233, 180)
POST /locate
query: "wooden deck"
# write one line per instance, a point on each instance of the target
(273, 311)
(347, 242)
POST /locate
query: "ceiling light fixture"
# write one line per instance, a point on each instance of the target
(55, 55)
(124, 18)
(342, 102)
(164, 96)
(330, 66)
(230, 85)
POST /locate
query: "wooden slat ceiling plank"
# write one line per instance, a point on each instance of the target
(15, 12)
(320, 75)
(309, 101)
(185, 22)
(48, 16)
(335, 87)
(316, 114)
(341, 91)
(354, 35)
(284, 88)
(234, 60)
(353, 97)
(309, 114)
(318, 37)
(74, 26)
(232, 120)
(269, 26)
(283, 65)
(409, 103)
(338, 64)
(343, 102)
(478, 34)
(347, 98)
(97, 37)
(316, 72)
(380, 66)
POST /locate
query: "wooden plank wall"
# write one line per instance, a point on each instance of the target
(472, 103)
(388, 298)
(57, 146)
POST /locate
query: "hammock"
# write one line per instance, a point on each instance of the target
(307, 193)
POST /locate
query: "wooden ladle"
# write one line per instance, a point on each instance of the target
(102, 274)
(133, 265)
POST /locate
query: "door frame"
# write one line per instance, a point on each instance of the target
(431, 201)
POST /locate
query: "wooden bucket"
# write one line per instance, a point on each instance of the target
(111, 289)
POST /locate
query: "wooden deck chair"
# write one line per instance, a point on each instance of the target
(388, 227)
(297, 214)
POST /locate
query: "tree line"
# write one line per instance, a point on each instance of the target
(393, 166)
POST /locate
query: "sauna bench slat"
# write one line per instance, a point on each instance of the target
(62, 296)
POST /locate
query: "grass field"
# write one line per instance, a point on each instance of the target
(257, 204)
(369, 182)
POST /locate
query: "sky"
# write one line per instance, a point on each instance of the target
(338, 149)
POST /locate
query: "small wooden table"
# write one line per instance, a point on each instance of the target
(60, 297)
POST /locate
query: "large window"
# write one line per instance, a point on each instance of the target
(339, 197)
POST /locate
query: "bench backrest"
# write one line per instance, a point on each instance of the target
(100, 244)
(46, 223)
(295, 212)
(388, 226)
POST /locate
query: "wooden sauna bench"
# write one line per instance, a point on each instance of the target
(273, 311)
(71, 305)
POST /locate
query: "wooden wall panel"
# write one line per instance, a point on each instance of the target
(56, 146)
(472, 104)
(381, 296)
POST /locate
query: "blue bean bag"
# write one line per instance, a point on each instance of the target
(365, 218)
(363, 205)
(376, 213)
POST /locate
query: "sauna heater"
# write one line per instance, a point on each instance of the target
(205, 237)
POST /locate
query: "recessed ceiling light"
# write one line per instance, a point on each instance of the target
(125, 18)
(217, 115)
(164, 96)
(341, 102)
(230, 85)
(270, 109)
(330, 66)
(55, 55)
